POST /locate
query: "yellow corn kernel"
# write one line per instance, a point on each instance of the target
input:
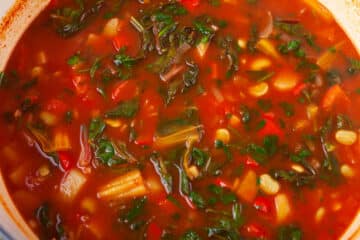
(223, 135)
(112, 28)
(202, 49)
(48, 118)
(297, 168)
(282, 206)
(234, 121)
(347, 171)
(241, 43)
(346, 137)
(88, 204)
(319, 215)
(269, 185)
(259, 89)
(260, 64)
(43, 171)
(312, 111)
(37, 71)
(113, 123)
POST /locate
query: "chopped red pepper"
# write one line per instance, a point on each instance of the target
(190, 4)
(251, 162)
(299, 88)
(221, 183)
(153, 232)
(271, 128)
(120, 41)
(254, 230)
(262, 204)
(66, 160)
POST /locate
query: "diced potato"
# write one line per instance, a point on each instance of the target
(319, 9)
(127, 186)
(260, 64)
(48, 118)
(154, 185)
(259, 90)
(61, 141)
(112, 28)
(202, 49)
(246, 188)
(347, 171)
(319, 215)
(269, 185)
(282, 206)
(285, 81)
(223, 135)
(72, 183)
(346, 137)
(267, 47)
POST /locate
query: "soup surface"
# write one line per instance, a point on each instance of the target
(212, 119)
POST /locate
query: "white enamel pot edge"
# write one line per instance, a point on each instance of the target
(22, 12)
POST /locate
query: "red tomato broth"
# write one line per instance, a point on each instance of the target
(215, 98)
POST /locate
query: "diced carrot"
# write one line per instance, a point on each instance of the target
(246, 188)
(333, 95)
(125, 90)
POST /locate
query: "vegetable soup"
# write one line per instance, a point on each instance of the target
(189, 119)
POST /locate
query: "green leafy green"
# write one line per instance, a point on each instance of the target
(126, 109)
(135, 211)
(106, 153)
(197, 199)
(261, 154)
(221, 145)
(287, 108)
(289, 232)
(96, 128)
(122, 59)
(190, 235)
(73, 60)
(199, 157)
(160, 168)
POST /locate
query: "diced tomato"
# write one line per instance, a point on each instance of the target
(154, 231)
(81, 83)
(221, 183)
(66, 160)
(120, 41)
(271, 128)
(214, 71)
(190, 4)
(249, 161)
(254, 230)
(53, 4)
(147, 119)
(269, 115)
(262, 204)
(125, 90)
(56, 106)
